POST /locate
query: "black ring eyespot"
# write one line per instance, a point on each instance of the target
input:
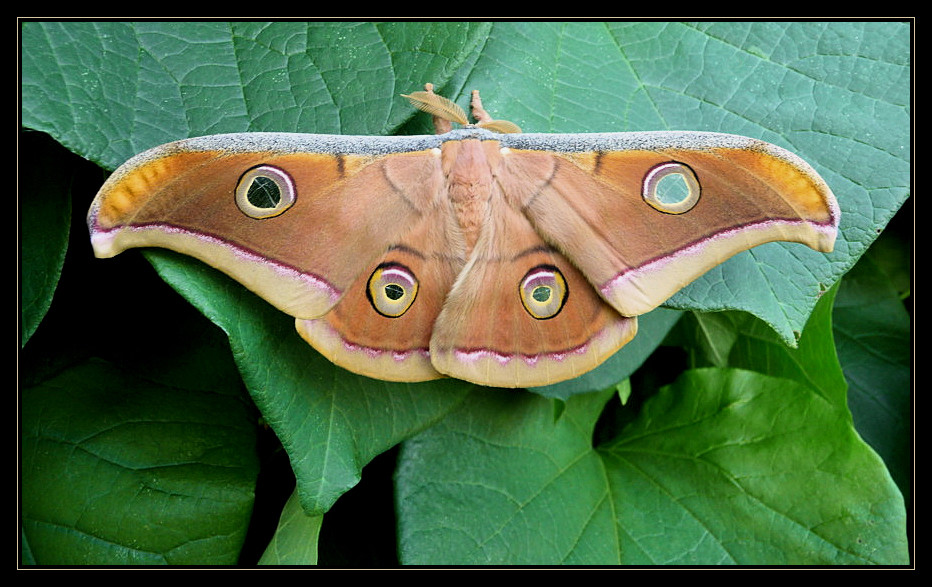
(265, 191)
(391, 289)
(671, 187)
(543, 292)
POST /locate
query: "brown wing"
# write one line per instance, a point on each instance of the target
(521, 315)
(346, 211)
(600, 206)
(382, 326)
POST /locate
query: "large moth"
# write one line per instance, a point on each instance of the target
(481, 252)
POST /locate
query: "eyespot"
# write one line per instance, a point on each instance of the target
(391, 290)
(671, 188)
(543, 292)
(264, 192)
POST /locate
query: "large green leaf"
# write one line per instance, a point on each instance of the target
(119, 469)
(109, 90)
(872, 331)
(725, 466)
(330, 421)
(45, 214)
(295, 541)
(871, 328)
(719, 468)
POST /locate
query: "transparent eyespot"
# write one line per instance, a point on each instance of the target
(671, 188)
(264, 192)
(543, 292)
(391, 290)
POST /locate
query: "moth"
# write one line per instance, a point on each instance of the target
(481, 253)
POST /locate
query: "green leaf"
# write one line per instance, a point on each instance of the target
(736, 339)
(330, 421)
(724, 466)
(752, 469)
(295, 540)
(111, 89)
(45, 211)
(872, 331)
(814, 363)
(652, 328)
(160, 475)
(484, 487)
(721, 461)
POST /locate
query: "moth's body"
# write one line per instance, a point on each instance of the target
(505, 259)
(467, 169)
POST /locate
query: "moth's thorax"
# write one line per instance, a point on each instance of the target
(467, 167)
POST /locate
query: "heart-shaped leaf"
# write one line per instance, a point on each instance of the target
(725, 466)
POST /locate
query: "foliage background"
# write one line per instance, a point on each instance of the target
(710, 439)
